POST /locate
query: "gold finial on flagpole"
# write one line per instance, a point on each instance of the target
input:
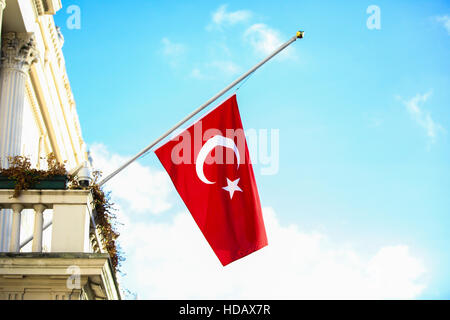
(300, 34)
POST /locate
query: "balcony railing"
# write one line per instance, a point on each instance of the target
(74, 248)
(72, 223)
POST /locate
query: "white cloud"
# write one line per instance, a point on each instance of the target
(393, 269)
(215, 69)
(174, 52)
(421, 117)
(226, 67)
(173, 261)
(197, 74)
(265, 40)
(222, 17)
(170, 259)
(141, 188)
(445, 21)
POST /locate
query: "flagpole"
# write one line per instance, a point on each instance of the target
(299, 35)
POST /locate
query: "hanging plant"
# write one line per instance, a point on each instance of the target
(105, 218)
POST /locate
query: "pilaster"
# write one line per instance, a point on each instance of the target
(2, 7)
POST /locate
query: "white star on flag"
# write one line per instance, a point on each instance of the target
(232, 187)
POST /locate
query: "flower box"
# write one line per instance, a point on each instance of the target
(50, 183)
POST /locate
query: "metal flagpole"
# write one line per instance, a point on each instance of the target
(299, 35)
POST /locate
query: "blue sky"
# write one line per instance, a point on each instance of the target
(363, 118)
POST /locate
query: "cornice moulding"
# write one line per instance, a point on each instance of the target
(47, 7)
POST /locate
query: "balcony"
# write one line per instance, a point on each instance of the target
(74, 250)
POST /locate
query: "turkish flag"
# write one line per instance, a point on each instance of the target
(210, 166)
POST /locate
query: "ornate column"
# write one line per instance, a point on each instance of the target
(18, 53)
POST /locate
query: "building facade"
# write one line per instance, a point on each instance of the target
(38, 116)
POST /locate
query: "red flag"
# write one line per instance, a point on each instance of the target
(210, 166)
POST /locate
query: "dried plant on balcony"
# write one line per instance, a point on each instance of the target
(26, 177)
(105, 218)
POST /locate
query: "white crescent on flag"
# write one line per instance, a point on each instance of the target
(207, 148)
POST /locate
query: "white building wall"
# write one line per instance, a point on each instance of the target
(30, 134)
(40, 100)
